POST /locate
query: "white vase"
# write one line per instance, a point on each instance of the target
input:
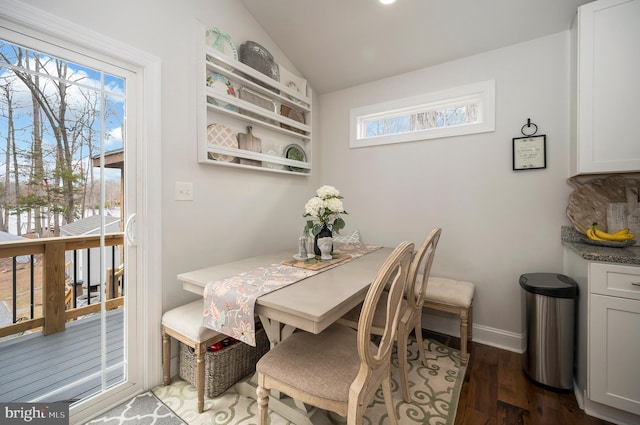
(325, 244)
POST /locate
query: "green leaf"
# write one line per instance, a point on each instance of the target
(338, 225)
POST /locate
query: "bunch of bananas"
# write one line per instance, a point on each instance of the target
(596, 234)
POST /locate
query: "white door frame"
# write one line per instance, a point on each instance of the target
(145, 369)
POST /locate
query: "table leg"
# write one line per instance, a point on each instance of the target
(276, 331)
(290, 409)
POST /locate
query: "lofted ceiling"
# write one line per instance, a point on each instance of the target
(337, 44)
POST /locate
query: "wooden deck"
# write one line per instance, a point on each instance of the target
(64, 366)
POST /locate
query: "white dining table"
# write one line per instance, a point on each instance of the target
(311, 304)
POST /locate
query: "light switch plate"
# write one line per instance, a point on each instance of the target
(184, 191)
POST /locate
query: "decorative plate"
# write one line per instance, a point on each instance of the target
(273, 150)
(219, 134)
(295, 87)
(221, 42)
(257, 57)
(258, 100)
(220, 84)
(294, 82)
(292, 114)
(296, 153)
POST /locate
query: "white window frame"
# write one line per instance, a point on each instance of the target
(483, 93)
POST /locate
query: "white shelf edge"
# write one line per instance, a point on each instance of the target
(245, 154)
(245, 69)
(243, 104)
(253, 167)
(258, 122)
(239, 79)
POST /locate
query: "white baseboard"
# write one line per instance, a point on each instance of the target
(493, 337)
(579, 393)
(610, 414)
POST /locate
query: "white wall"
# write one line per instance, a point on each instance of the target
(497, 223)
(235, 213)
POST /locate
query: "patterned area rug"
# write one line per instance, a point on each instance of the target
(143, 409)
(435, 390)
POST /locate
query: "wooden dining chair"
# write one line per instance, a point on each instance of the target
(411, 306)
(340, 368)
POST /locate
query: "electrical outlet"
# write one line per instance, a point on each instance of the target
(184, 191)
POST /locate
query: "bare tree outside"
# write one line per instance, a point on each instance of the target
(55, 117)
(420, 119)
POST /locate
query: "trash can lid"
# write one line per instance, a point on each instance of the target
(549, 284)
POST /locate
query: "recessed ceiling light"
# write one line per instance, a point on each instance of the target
(387, 1)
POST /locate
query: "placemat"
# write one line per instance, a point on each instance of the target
(317, 264)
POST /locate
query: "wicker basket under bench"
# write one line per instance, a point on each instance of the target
(224, 367)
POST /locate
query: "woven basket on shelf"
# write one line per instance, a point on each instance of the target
(224, 367)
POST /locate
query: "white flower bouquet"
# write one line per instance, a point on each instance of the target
(324, 210)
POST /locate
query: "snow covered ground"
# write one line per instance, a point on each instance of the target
(13, 220)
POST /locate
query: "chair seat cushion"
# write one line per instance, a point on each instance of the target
(449, 291)
(323, 365)
(188, 321)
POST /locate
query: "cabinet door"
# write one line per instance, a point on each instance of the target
(614, 373)
(608, 89)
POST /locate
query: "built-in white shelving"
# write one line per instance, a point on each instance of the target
(276, 131)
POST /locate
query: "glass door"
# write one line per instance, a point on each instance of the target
(64, 133)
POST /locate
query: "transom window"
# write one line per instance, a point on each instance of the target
(461, 110)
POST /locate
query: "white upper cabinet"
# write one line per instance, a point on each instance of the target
(606, 38)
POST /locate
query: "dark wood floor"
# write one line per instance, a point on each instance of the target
(496, 391)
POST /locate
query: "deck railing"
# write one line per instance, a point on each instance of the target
(56, 308)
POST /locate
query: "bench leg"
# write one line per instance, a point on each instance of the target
(464, 332)
(200, 349)
(470, 322)
(166, 358)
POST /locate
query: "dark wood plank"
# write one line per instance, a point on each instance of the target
(474, 417)
(483, 382)
(544, 406)
(496, 391)
(512, 415)
(511, 380)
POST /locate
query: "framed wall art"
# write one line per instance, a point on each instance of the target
(529, 153)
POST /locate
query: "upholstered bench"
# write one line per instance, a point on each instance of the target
(456, 297)
(184, 323)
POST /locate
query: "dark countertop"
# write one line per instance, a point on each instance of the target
(575, 240)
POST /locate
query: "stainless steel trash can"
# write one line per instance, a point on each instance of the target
(550, 300)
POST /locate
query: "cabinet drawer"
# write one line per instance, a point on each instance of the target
(615, 280)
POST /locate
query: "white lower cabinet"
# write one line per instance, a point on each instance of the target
(614, 336)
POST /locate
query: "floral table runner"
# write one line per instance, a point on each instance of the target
(229, 303)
